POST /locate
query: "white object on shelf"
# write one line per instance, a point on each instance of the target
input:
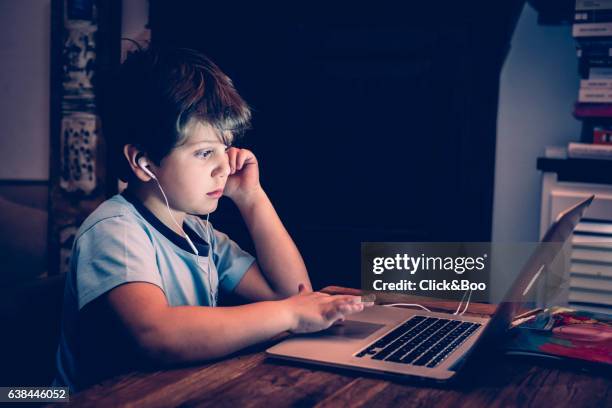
(590, 271)
(589, 151)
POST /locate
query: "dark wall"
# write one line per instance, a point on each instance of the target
(369, 124)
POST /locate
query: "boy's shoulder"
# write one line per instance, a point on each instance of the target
(116, 207)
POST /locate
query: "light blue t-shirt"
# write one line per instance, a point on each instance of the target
(120, 242)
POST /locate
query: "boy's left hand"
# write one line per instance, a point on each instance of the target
(244, 174)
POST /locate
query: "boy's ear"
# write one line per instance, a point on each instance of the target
(132, 154)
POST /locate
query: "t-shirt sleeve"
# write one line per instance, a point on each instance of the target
(114, 251)
(231, 261)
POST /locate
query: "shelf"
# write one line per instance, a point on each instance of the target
(578, 170)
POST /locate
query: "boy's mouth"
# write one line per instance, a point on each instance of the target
(216, 193)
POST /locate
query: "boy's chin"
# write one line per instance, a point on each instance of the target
(207, 209)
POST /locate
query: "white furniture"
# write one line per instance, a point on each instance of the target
(564, 183)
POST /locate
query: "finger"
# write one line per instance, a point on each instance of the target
(232, 153)
(368, 298)
(345, 299)
(350, 308)
(357, 300)
(345, 306)
(243, 157)
(340, 311)
(336, 309)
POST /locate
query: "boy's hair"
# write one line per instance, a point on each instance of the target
(154, 96)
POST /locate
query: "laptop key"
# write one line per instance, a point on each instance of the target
(398, 331)
(467, 330)
(383, 354)
(428, 339)
(398, 343)
(415, 341)
(435, 344)
(441, 345)
(425, 341)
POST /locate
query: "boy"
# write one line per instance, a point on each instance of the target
(145, 270)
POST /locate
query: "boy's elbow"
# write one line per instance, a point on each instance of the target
(284, 294)
(292, 290)
(158, 346)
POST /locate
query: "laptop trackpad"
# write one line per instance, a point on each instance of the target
(353, 329)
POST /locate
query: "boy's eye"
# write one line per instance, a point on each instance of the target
(203, 154)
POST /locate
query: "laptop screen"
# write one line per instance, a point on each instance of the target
(541, 259)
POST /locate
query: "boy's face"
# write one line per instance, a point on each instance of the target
(194, 174)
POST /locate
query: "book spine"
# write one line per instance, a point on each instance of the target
(596, 83)
(593, 4)
(592, 30)
(598, 72)
(595, 95)
(593, 110)
(589, 151)
(603, 137)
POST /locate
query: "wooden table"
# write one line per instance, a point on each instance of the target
(250, 379)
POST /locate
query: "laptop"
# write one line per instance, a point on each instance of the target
(429, 345)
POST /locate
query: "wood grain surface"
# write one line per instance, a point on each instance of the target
(249, 379)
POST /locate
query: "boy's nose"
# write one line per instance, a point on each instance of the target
(223, 168)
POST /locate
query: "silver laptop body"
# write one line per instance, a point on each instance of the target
(406, 342)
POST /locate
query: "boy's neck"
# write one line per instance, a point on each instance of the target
(150, 196)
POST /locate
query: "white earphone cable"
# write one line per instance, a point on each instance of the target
(466, 303)
(212, 291)
(408, 304)
(426, 309)
(174, 219)
(460, 303)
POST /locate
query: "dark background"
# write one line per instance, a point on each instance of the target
(369, 124)
(372, 123)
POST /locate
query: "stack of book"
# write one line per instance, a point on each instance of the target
(561, 333)
(593, 32)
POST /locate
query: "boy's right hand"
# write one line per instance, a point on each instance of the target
(315, 311)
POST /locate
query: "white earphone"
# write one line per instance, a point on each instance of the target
(143, 164)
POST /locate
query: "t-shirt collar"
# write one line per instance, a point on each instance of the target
(178, 240)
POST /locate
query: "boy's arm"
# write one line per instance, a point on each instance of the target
(277, 255)
(178, 334)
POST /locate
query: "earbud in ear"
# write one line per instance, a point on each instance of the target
(144, 165)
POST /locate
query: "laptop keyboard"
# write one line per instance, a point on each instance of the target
(420, 341)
